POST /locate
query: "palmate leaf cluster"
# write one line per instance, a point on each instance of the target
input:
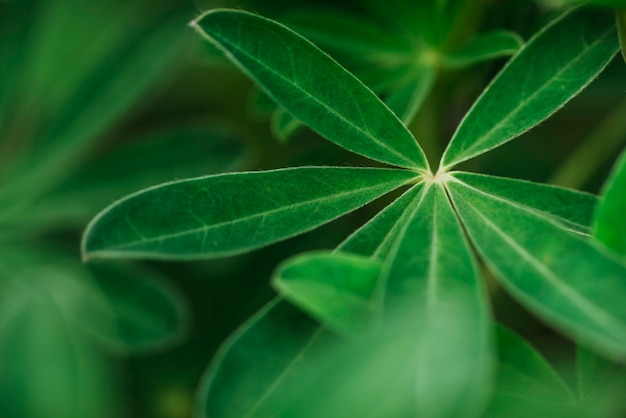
(396, 320)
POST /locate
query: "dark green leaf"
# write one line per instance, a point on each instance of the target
(430, 281)
(562, 277)
(308, 83)
(227, 214)
(148, 311)
(610, 220)
(173, 153)
(573, 209)
(335, 288)
(406, 99)
(108, 92)
(484, 47)
(347, 33)
(554, 66)
(620, 17)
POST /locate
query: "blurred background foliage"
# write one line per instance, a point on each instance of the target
(101, 98)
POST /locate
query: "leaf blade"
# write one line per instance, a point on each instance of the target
(185, 219)
(506, 110)
(573, 209)
(354, 117)
(558, 290)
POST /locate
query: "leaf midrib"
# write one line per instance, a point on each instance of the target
(206, 228)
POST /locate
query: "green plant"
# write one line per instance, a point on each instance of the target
(72, 74)
(401, 325)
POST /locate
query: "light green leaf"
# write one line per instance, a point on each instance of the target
(620, 17)
(406, 99)
(573, 209)
(308, 83)
(610, 222)
(187, 219)
(335, 288)
(431, 287)
(283, 125)
(562, 277)
(254, 372)
(148, 311)
(375, 238)
(554, 66)
(526, 385)
(48, 369)
(484, 47)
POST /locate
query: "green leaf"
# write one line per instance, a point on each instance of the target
(99, 103)
(335, 30)
(620, 17)
(335, 288)
(554, 66)
(484, 47)
(148, 311)
(610, 222)
(283, 125)
(265, 357)
(571, 208)
(562, 277)
(168, 153)
(406, 99)
(48, 368)
(187, 219)
(431, 287)
(526, 384)
(375, 238)
(308, 83)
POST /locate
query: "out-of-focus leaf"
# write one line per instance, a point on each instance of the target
(283, 125)
(430, 284)
(610, 220)
(187, 219)
(408, 97)
(375, 238)
(48, 369)
(148, 311)
(347, 33)
(526, 384)
(554, 66)
(336, 288)
(307, 83)
(484, 47)
(257, 367)
(107, 94)
(571, 208)
(620, 17)
(562, 277)
(174, 153)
